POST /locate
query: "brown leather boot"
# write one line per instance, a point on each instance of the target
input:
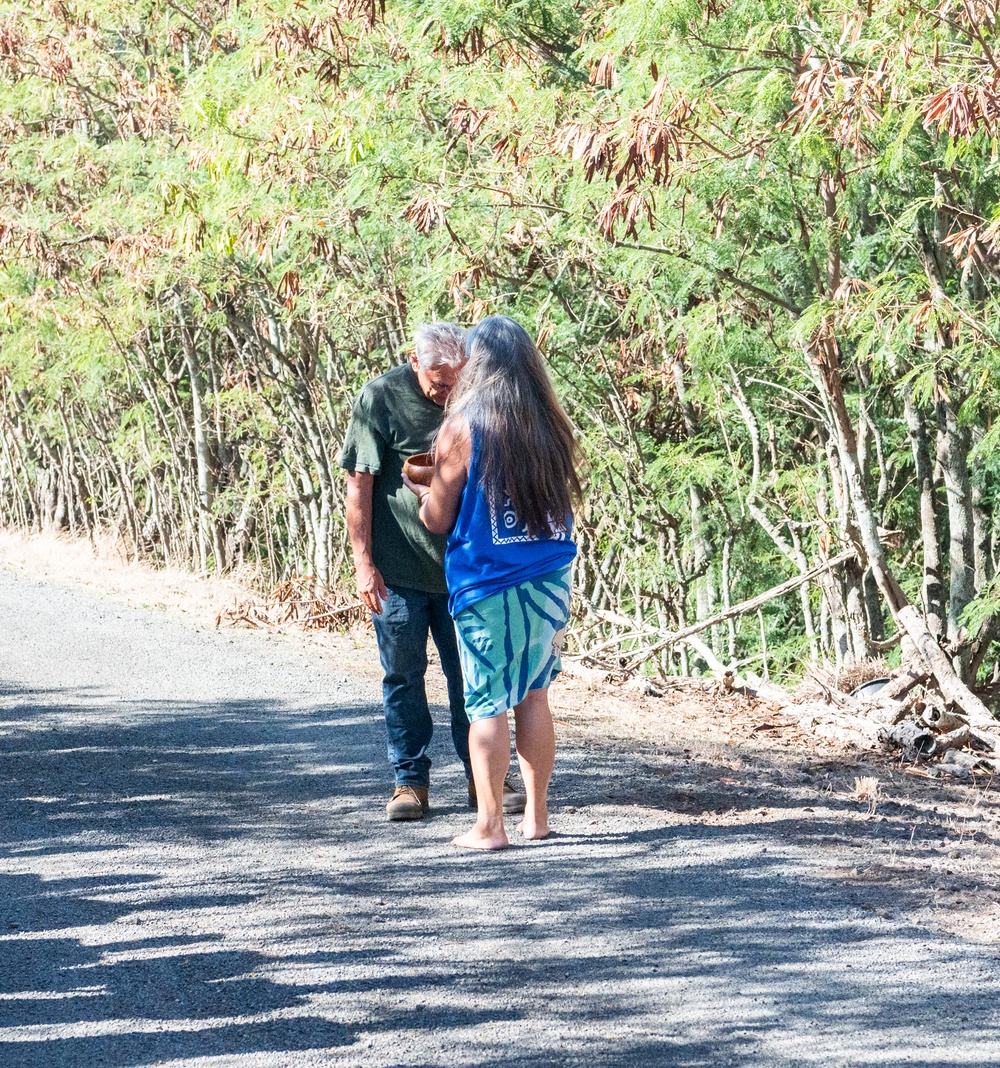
(408, 803)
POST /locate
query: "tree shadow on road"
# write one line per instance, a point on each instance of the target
(183, 881)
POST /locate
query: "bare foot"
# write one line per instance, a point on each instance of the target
(476, 839)
(533, 831)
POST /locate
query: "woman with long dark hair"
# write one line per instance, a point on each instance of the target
(503, 490)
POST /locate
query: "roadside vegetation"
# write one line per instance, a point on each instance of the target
(758, 243)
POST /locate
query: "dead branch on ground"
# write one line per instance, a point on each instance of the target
(299, 601)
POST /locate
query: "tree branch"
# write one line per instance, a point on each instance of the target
(722, 272)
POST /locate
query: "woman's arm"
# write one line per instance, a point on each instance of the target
(439, 503)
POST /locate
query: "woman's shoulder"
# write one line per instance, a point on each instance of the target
(454, 434)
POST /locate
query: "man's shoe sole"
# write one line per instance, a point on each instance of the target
(407, 803)
(405, 814)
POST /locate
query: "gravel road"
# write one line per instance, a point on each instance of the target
(196, 871)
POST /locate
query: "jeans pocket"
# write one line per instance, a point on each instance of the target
(395, 612)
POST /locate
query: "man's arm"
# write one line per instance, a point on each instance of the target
(371, 586)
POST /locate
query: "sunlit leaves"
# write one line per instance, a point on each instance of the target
(675, 197)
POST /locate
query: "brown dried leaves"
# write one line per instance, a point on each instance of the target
(846, 104)
(975, 245)
(467, 121)
(604, 72)
(427, 213)
(963, 109)
(636, 152)
(642, 146)
(11, 41)
(628, 207)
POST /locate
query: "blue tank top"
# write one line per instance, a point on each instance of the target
(489, 550)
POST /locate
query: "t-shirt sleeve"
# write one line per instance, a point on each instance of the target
(364, 446)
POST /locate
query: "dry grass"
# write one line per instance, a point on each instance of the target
(296, 602)
(866, 788)
(828, 677)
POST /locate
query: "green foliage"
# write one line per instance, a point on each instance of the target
(253, 205)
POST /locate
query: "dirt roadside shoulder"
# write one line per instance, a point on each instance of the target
(697, 757)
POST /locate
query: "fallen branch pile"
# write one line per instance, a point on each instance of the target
(299, 602)
(926, 711)
(910, 714)
(916, 712)
(645, 643)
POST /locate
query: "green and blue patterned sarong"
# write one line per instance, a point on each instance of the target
(510, 643)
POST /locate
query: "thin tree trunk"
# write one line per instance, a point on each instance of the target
(982, 525)
(203, 459)
(832, 586)
(932, 589)
(727, 593)
(953, 452)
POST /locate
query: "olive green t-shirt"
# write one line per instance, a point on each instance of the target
(391, 420)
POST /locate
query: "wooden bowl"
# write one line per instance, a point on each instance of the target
(420, 468)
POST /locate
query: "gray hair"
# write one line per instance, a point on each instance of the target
(439, 345)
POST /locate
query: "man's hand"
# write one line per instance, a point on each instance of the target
(371, 587)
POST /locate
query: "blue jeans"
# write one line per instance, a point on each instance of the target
(401, 631)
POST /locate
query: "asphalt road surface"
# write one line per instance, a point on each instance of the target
(195, 870)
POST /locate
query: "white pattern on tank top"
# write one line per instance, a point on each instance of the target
(506, 531)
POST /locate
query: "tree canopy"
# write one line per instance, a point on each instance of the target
(756, 242)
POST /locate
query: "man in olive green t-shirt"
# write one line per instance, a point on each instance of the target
(399, 565)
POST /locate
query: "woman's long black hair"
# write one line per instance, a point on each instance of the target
(525, 442)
